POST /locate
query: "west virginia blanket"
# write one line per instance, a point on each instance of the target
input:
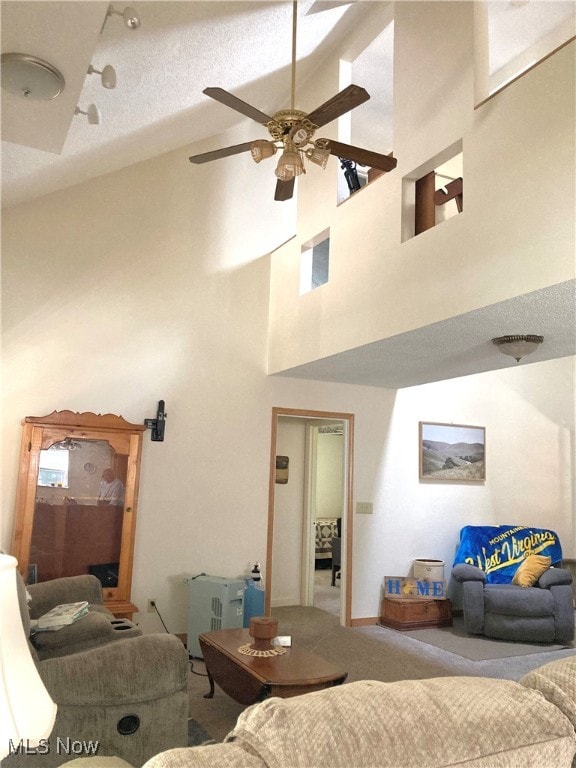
(499, 549)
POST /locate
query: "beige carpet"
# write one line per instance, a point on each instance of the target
(455, 640)
(375, 653)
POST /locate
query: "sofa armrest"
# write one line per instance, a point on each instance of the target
(138, 669)
(69, 589)
(554, 577)
(464, 572)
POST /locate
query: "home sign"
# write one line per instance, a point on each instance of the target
(420, 589)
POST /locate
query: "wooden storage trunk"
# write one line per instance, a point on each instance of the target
(409, 613)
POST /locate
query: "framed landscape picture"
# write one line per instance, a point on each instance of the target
(452, 453)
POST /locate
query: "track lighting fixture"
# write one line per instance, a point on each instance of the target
(517, 346)
(131, 18)
(108, 75)
(92, 113)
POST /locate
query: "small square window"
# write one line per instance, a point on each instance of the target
(433, 193)
(314, 264)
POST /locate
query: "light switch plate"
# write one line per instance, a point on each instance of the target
(364, 508)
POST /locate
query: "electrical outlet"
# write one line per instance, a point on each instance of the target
(151, 607)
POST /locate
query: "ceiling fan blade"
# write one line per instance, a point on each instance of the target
(343, 102)
(219, 94)
(206, 157)
(359, 155)
(284, 190)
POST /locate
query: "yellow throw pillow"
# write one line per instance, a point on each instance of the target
(531, 569)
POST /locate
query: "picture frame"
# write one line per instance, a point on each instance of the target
(451, 453)
(282, 469)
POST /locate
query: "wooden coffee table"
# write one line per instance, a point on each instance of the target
(249, 679)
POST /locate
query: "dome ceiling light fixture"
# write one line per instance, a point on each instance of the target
(30, 77)
(518, 346)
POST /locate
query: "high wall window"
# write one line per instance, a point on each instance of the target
(315, 263)
(434, 192)
(514, 36)
(370, 125)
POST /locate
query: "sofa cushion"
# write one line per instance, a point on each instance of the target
(452, 721)
(531, 569)
(557, 682)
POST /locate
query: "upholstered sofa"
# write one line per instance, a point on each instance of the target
(452, 721)
(123, 691)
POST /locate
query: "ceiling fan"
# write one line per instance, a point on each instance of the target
(292, 132)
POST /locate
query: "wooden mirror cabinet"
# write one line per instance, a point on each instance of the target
(69, 519)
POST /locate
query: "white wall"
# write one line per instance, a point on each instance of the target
(516, 234)
(142, 312)
(289, 515)
(329, 479)
(151, 283)
(528, 413)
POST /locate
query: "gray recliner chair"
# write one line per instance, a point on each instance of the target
(119, 689)
(99, 627)
(543, 613)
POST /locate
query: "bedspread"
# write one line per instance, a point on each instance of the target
(326, 529)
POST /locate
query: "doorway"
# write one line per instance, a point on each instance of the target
(324, 508)
(294, 497)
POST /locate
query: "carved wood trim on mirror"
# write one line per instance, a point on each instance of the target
(76, 501)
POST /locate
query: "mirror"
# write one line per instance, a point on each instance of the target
(78, 513)
(76, 501)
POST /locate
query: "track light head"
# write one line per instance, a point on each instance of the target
(129, 14)
(92, 113)
(108, 75)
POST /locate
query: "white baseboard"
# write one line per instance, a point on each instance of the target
(284, 602)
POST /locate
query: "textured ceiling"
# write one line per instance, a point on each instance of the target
(162, 68)
(457, 347)
(183, 46)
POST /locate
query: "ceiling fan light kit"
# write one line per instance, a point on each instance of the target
(290, 164)
(261, 149)
(30, 77)
(293, 130)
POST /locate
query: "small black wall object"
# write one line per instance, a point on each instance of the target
(157, 425)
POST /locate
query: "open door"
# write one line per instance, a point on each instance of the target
(289, 572)
(324, 513)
